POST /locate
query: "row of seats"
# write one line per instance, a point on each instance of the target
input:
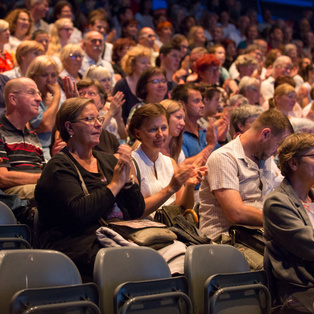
(130, 280)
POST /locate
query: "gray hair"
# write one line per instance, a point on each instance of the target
(233, 99)
(280, 60)
(242, 113)
(247, 82)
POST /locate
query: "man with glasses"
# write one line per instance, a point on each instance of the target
(146, 37)
(93, 46)
(20, 148)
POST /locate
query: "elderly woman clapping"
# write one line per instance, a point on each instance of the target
(80, 186)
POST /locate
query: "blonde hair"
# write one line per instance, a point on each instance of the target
(175, 144)
(39, 65)
(4, 25)
(191, 35)
(68, 49)
(25, 47)
(97, 73)
(55, 44)
(282, 89)
(128, 61)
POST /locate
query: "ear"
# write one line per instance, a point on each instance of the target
(137, 134)
(12, 99)
(293, 164)
(69, 128)
(240, 127)
(266, 133)
(162, 56)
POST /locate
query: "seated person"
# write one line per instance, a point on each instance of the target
(70, 208)
(288, 225)
(44, 71)
(162, 181)
(26, 52)
(239, 176)
(88, 88)
(20, 148)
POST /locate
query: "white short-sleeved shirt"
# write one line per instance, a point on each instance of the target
(150, 185)
(230, 168)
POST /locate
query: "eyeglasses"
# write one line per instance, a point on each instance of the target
(149, 36)
(31, 92)
(68, 29)
(91, 120)
(90, 94)
(23, 19)
(156, 81)
(75, 56)
(308, 155)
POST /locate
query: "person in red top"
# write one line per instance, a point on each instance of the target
(6, 60)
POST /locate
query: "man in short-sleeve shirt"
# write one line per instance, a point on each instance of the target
(239, 176)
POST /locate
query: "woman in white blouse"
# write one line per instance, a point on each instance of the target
(162, 181)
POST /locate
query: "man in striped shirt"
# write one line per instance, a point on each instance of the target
(20, 148)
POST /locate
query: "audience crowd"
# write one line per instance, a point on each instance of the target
(182, 105)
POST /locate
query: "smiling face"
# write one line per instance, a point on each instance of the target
(66, 12)
(176, 122)
(153, 133)
(22, 24)
(156, 88)
(86, 133)
(141, 64)
(27, 98)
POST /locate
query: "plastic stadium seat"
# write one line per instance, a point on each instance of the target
(20, 269)
(157, 296)
(237, 293)
(203, 261)
(114, 266)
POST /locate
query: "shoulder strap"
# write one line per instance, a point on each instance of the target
(138, 173)
(83, 185)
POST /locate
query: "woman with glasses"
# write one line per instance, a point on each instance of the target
(289, 227)
(151, 87)
(20, 27)
(71, 56)
(60, 34)
(44, 71)
(79, 187)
